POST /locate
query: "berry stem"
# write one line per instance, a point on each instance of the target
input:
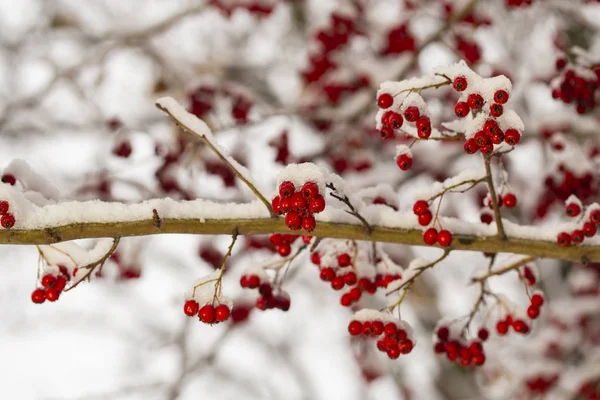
(352, 210)
(473, 183)
(406, 285)
(506, 269)
(91, 267)
(490, 183)
(221, 156)
(234, 237)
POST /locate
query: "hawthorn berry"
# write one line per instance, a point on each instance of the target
(222, 313)
(443, 333)
(309, 223)
(9, 178)
(3, 207)
(595, 217)
(404, 162)
(533, 312)
(461, 109)
(317, 204)
(297, 202)
(385, 100)
(386, 132)
(430, 236)
(286, 189)
(420, 207)
(327, 274)
(501, 96)
(52, 294)
(589, 229)
(191, 307)
(573, 209)
(425, 218)
(293, 220)
(497, 137)
(509, 200)
(563, 239)
(471, 146)
(501, 327)
(346, 300)
(48, 281)
(475, 101)
(337, 283)
(423, 127)
(520, 326)
(344, 260)
(444, 238)
(350, 278)
(207, 314)
(355, 328)
(276, 205)
(7, 220)
(310, 190)
(496, 110)
(61, 283)
(411, 114)
(38, 296)
(490, 127)
(537, 300)
(460, 83)
(577, 236)
(395, 120)
(512, 137)
(284, 250)
(483, 334)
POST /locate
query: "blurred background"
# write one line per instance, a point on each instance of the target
(282, 82)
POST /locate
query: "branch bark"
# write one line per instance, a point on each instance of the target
(258, 226)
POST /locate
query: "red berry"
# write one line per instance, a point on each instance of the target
(3, 207)
(285, 205)
(286, 189)
(385, 100)
(349, 278)
(355, 294)
(496, 110)
(395, 120)
(377, 327)
(7, 220)
(276, 205)
(483, 334)
(502, 327)
(355, 328)
(284, 250)
(52, 294)
(497, 137)
(533, 312)
(412, 113)
(481, 139)
(222, 313)
(265, 289)
(461, 109)
(207, 314)
(38, 296)
(471, 146)
(425, 218)
(573, 209)
(390, 329)
(327, 274)
(475, 101)
(589, 229)
(490, 127)
(310, 190)
(386, 132)
(10, 179)
(512, 137)
(537, 300)
(346, 300)
(61, 283)
(443, 333)
(309, 223)
(253, 281)
(595, 217)
(317, 204)
(577, 236)
(563, 239)
(420, 207)
(393, 353)
(486, 218)
(509, 200)
(293, 220)
(297, 202)
(430, 236)
(501, 96)
(423, 127)
(520, 326)
(344, 260)
(315, 258)
(337, 283)
(48, 281)
(191, 307)
(444, 238)
(404, 162)
(122, 149)
(460, 83)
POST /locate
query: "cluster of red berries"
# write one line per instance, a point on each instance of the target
(431, 236)
(393, 339)
(518, 325)
(283, 243)
(7, 220)
(509, 200)
(588, 229)
(259, 8)
(399, 40)
(540, 385)
(343, 275)
(578, 89)
(589, 391)
(203, 100)
(456, 350)
(299, 207)
(518, 3)
(52, 286)
(536, 302)
(392, 121)
(208, 313)
(269, 298)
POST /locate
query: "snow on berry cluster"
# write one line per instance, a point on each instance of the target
(269, 297)
(578, 81)
(395, 337)
(53, 282)
(347, 264)
(206, 301)
(588, 219)
(450, 340)
(301, 188)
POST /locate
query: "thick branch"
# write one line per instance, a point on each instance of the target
(414, 237)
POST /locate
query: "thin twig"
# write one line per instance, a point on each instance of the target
(506, 269)
(91, 267)
(352, 210)
(490, 183)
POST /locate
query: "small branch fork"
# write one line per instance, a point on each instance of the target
(218, 284)
(351, 209)
(91, 267)
(506, 269)
(221, 156)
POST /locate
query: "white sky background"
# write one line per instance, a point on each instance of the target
(125, 340)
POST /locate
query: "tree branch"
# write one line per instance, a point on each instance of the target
(262, 226)
(495, 205)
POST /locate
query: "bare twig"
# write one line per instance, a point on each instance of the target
(490, 183)
(351, 209)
